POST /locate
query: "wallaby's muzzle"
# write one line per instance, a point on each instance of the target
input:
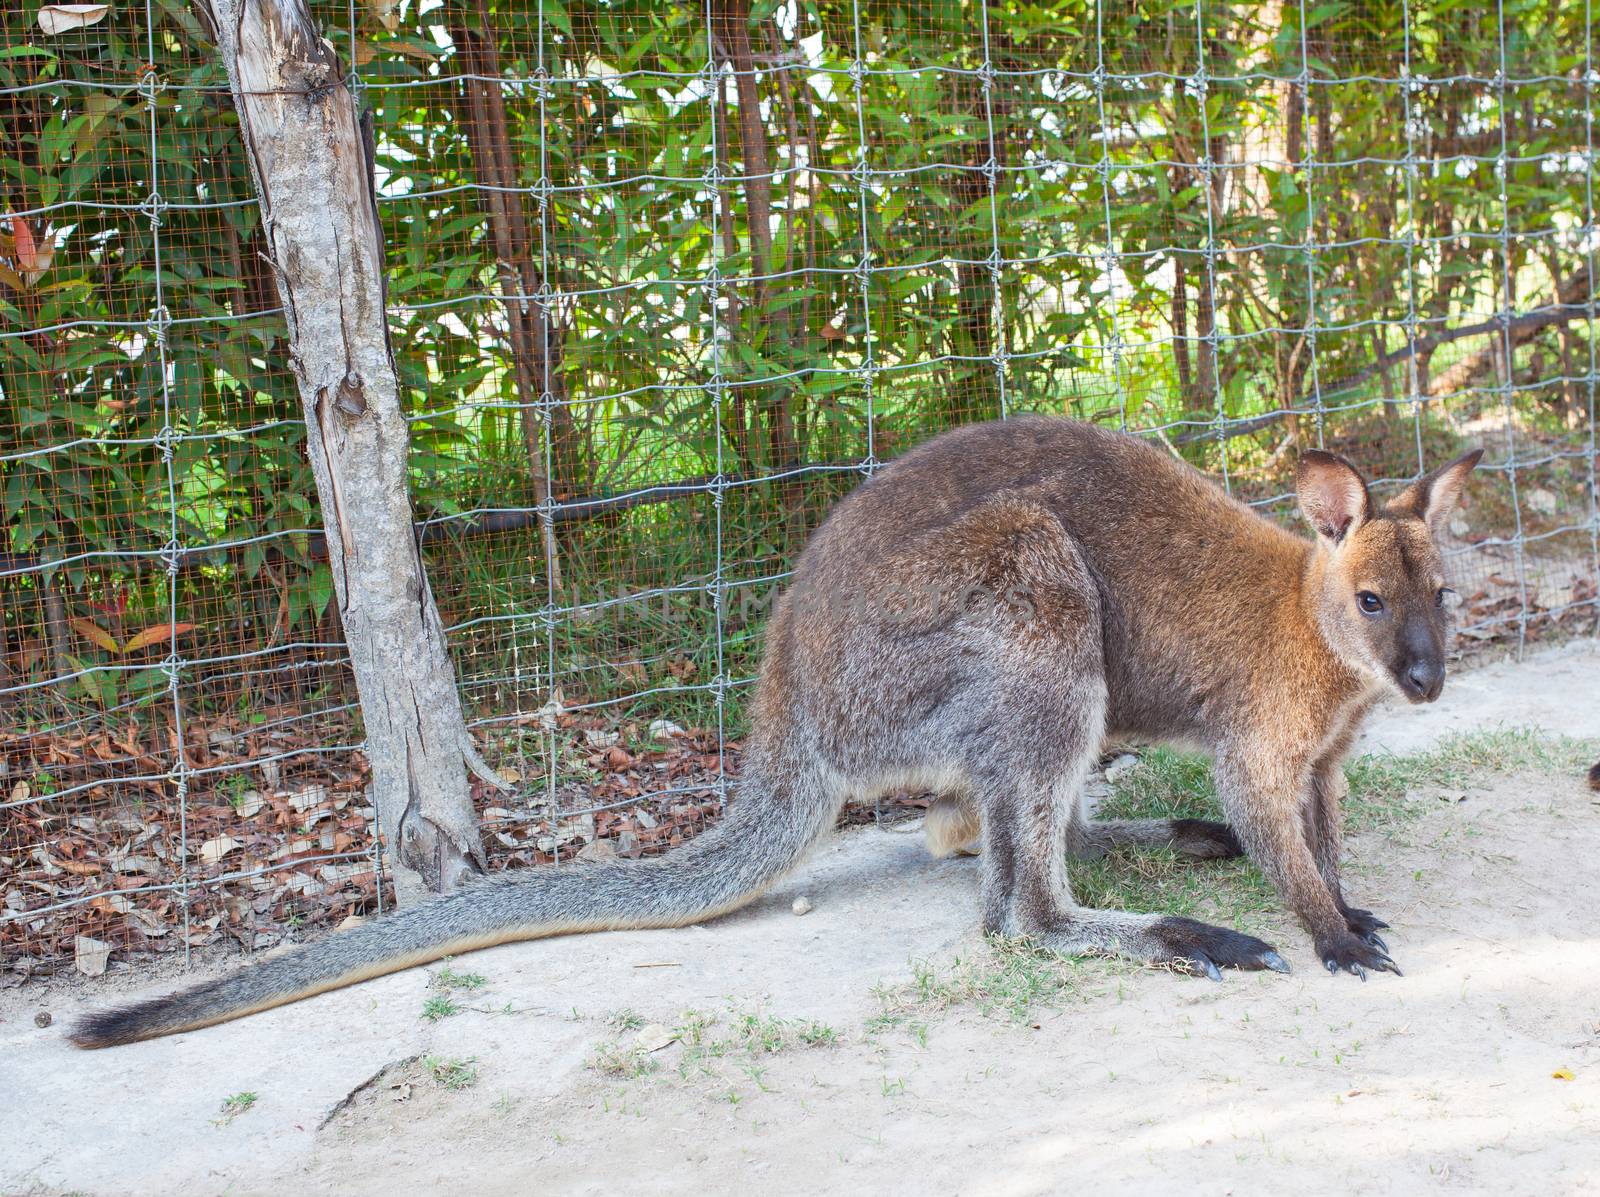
(1423, 679)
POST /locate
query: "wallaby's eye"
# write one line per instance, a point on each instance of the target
(1369, 603)
(1444, 595)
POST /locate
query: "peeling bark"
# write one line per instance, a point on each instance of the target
(312, 160)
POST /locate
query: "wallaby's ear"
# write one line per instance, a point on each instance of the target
(1332, 494)
(1434, 496)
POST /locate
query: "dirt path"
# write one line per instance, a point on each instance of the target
(1116, 1077)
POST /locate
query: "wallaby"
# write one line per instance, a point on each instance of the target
(977, 620)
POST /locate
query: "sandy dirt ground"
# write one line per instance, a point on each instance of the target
(1454, 1077)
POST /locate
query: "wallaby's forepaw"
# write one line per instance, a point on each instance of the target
(1205, 840)
(1350, 953)
(1202, 949)
(1365, 925)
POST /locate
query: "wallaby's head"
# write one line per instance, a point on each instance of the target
(1377, 592)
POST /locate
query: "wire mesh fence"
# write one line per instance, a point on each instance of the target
(665, 280)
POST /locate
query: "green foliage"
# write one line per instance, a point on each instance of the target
(1313, 218)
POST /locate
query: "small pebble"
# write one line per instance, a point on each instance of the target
(801, 906)
(42, 1019)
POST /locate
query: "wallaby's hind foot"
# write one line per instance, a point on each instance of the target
(1203, 948)
(952, 827)
(1183, 944)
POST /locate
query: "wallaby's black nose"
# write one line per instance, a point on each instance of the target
(1424, 680)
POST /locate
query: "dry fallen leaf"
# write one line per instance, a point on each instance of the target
(215, 849)
(655, 1037)
(59, 18)
(90, 955)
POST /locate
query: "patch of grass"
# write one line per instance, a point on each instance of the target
(626, 1019)
(1013, 980)
(1167, 784)
(440, 1005)
(817, 1034)
(233, 1106)
(625, 1060)
(722, 1049)
(447, 978)
(452, 1072)
(1379, 784)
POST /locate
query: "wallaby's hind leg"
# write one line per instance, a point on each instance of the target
(952, 827)
(1200, 839)
(1026, 821)
(1048, 675)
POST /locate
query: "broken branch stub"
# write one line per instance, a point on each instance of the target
(312, 159)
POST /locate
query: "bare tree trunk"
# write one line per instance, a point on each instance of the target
(1180, 327)
(312, 160)
(536, 345)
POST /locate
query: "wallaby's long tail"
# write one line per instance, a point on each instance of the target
(761, 838)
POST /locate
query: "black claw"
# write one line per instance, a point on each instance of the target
(1376, 941)
(1332, 965)
(1358, 970)
(1275, 962)
(1209, 968)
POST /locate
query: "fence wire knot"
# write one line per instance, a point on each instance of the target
(857, 73)
(548, 614)
(151, 84)
(986, 75)
(171, 557)
(1197, 84)
(158, 324)
(166, 440)
(154, 206)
